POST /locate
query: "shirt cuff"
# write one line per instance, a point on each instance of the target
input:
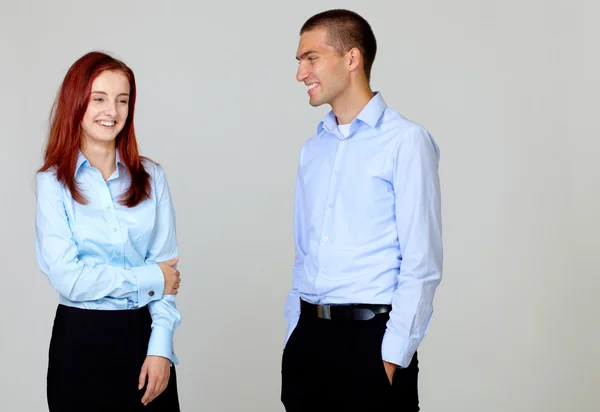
(290, 330)
(393, 350)
(161, 344)
(151, 284)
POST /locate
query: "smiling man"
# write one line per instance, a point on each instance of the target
(368, 237)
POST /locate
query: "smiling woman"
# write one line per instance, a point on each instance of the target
(80, 104)
(105, 238)
(107, 110)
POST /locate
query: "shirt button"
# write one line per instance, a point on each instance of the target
(343, 142)
(325, 239)
(114, 229)
(118, 253)
(151, 293)
(330, 205)
(108, 207)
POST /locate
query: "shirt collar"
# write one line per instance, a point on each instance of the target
(81, 160)
(328, 123)
(370, 114)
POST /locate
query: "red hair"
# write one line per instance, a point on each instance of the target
(64, 138)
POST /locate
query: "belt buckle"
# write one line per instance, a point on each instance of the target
(362, 314)
(324, 311)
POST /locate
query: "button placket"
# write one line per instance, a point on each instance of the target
(329, 202)
(113, 223)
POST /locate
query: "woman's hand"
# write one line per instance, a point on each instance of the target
(172, 276)
(158, 370)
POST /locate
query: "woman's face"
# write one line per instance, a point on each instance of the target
(107, 109)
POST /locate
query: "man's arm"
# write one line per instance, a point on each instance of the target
(418, 221)
(292, 304)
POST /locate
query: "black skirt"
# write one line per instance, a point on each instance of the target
(95, 361)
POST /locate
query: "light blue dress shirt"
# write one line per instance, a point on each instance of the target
(104, 255)
(368, 223)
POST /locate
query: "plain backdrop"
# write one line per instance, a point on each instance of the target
(508, 89)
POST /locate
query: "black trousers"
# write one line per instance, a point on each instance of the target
(95, 359)
(331, 365)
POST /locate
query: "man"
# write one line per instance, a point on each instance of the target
(367, 235)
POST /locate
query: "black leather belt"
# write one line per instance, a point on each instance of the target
(343, 312)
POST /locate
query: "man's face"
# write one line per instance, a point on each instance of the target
(321, 68)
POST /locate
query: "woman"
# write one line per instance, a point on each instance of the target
(106, 240)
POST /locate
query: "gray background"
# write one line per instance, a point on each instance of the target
(509, 91)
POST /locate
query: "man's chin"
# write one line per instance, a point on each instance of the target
(315, 102)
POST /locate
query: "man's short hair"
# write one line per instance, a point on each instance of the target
(345, 30)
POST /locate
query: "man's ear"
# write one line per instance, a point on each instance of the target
(355, 58)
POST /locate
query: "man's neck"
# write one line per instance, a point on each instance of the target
(351, 103)
(101, 157)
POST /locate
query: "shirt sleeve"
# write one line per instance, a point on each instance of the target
(165, 315)
(418, 220)
(58, 256)
(292, 304)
